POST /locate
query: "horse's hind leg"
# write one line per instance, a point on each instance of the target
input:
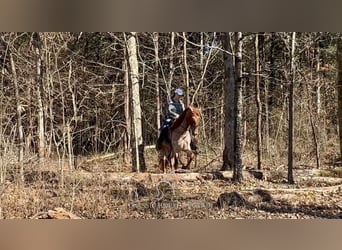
(173, 162)
(162, 162)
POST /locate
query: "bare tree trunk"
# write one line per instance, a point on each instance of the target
(171, 67)
(19, 118)
(72, 92)
(63, 127)
(127, 111)
(2, 139)
(291, 112)
(339, 89)
(313, 122)
(156, 65)
(265, 82)
(40, 90)
(137, 140)
(49, 103)
(201, 55)
(73, 120)
(70, 151)
(237, 170)
(185, 56)
(257, 99)
(29, 133)
(229, 90)
(318, 85)
(245, 114)
(315, 139)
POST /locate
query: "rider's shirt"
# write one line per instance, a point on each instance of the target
(175, 108)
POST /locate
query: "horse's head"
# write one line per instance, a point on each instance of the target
(193, 118)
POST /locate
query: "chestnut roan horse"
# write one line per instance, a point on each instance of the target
(183, 129)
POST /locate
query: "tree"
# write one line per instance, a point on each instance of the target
(291, 111)
(229, 90)
(237, 170)
(233, 106)
(137, 139)
(257, 99)
(128, 134)
(36, 41)
(156, 65)
(19, 118)
(186, 68)
(339, 89)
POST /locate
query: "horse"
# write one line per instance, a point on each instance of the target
(180, 133)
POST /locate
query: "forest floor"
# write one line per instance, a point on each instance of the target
(100, 187)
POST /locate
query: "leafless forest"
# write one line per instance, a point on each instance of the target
(80, 115)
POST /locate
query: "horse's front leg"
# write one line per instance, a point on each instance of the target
(190, 156)
(179, 158)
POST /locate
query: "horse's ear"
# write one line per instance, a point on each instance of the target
(197, 108)
(190, 107)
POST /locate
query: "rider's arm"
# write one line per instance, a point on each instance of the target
(182, 105)
(172, 111)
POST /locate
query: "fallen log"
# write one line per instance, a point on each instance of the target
(154, 177)
(308, 189)
(100, 158)
(322, 179)
(56, 213)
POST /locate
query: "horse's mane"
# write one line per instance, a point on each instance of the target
(179, 119)
(182, 116)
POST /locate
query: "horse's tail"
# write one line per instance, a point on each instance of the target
(164, 137)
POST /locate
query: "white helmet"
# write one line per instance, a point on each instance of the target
(179, 92)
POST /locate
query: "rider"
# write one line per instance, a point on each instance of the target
(175, 108)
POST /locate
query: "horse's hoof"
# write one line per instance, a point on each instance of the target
(185, 167)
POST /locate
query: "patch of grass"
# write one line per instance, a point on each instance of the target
(337, 172)
(277, 176)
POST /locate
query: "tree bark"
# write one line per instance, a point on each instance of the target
(291, 112)
(257, 100)
(137, 140)
(127, 140)
(171, 66)
(265, 82)
(185, 56)
(156, 65)
(19, 119)
(229, 90)
(40, 90)
(237, 170)
(50, 101)
(339, 89)
(2, 139)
